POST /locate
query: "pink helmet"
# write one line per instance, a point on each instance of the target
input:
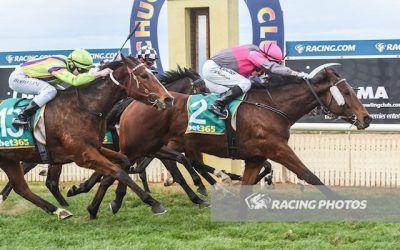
(272, 51)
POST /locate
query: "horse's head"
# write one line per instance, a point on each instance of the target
(341, 100)
(142, 85)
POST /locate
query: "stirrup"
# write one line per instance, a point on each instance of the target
(18, 123)
(221, 113)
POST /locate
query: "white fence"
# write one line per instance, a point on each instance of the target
(345, 159)
(70, 172)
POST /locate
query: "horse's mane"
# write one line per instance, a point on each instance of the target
(174, 75)
(118, 63)
(112, 65)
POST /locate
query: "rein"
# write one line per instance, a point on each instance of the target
(321, 104)
(275, 110)
(325, 109)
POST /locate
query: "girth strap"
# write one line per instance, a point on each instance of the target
(233, 150)
(41, 149)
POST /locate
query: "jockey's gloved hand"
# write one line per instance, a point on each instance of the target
(302, 75)
(258, 81)
(102, 73)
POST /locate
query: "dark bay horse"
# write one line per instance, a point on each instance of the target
(75, 124)
(180, 80)
(263, 126)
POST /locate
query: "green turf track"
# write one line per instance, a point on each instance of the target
(184, 226)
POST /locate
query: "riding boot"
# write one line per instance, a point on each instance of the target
(24, 116)
(219, 106)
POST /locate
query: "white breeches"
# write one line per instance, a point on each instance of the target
(22, 83)
(219, 79)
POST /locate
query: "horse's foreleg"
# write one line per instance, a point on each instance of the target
(93, 208)
(171, 154)
(52, 183)
(285, 156)
(15, 174)
(116, 157)
(7, 189)
(267, 170)
(219, 173)
(92, 158)
(120, 193)
(143, 178)
(142, 165)
(177, 175)
(250, 173)
(85, 186)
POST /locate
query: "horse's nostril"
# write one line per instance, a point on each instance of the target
(169, 101)
(367, 119)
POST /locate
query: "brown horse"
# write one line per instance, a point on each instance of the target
(263, 125)
(75, 124)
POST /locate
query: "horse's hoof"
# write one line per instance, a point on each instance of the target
(71, 191)
(1, 199)
(204, 204)
(92, 217)
(158, 209)
(168, 182)
(227, 180)
(114, 207)
(202, 191)
(63, 214)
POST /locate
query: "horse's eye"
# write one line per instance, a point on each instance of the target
(144, 76)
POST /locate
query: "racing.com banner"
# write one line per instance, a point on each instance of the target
(343, 48)
(16, 58)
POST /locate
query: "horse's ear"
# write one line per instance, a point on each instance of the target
(123, 58)
(127, 61)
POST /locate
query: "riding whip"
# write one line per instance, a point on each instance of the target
(129, 36)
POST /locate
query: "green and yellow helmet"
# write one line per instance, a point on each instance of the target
(81, 59)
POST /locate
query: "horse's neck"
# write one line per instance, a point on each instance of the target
(181, 86)
(103, 96)
(97, 97)
(297, 100)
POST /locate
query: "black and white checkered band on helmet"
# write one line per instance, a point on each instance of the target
(147, 53)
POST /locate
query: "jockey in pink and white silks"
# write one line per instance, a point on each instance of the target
(226, 72)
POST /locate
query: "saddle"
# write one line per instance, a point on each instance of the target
(12, 136)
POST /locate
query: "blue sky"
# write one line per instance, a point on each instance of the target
(69, 24)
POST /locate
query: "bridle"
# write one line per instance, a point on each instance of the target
(131, 73)
(147, 94)
(335, 94)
